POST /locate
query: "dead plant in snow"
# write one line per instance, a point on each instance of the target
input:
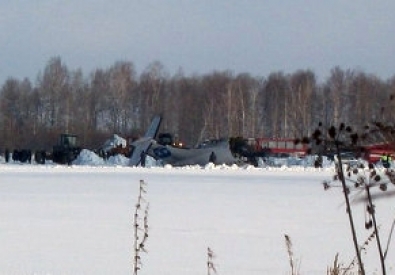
(292, 261)
(210, 261)
(140, 227)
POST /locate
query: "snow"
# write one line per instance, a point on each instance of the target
(114, 142)
(79, 219)
(87, 157)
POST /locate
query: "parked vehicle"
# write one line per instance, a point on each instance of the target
(281, 145)
(67, 150)
(373, 153)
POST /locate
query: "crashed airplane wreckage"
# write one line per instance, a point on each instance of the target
(219, 151)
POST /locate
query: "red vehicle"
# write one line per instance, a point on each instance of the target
(373, 153)
(281, 146)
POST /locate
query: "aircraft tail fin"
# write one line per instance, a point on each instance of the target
(154, 127)
(141, 146)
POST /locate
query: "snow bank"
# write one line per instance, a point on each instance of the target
(87, 157)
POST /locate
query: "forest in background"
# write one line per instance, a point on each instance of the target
(219, 104)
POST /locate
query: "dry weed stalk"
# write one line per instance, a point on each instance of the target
(210, 262)
(140, 230)
(338, 139)
(337, 268)
(365, 179)
(340, 269)
(292, 261)
(361, 178)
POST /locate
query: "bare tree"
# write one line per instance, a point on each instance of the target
(247, 89)
(53, 88)
(337, 86)
(152, 87)
(298, 112)
(217, 95)
(80, 113)
(99, 87)
(10, 116)
(190, 108)
(122, 84)
(273, 105)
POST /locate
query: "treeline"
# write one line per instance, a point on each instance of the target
(219, 104)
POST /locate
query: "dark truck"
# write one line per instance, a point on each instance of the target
(67, 150)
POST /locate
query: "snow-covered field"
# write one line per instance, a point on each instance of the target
(79, 220)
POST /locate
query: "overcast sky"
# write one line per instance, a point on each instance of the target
(199, 36)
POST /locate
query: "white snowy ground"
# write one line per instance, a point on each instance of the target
(79, 220)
